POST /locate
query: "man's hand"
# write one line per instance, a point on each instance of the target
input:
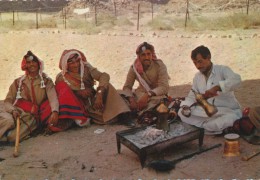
(211, 92)
(133, 104)
(143, 102)
(186, 111)
(53, 119)
(98, 104)
(15, 114)
(84, 93)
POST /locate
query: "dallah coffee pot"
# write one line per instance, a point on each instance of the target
(163, 113)
(209, 108)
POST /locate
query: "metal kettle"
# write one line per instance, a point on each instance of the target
(163, 113)
(209, 108)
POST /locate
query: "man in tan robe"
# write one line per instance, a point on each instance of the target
(248, 126)
(27, 96)
(102, 104)
(153, 78)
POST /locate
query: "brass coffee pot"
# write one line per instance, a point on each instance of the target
(209, 108)
(163, 114)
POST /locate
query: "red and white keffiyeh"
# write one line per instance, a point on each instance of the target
(63, 65)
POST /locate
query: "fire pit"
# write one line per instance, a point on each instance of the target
(147, 140)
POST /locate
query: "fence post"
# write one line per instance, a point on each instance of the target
(62, 15)
(65, 18)
(152, 8)
(13, 18)
(187, 13)
(96, 14)
(247, 7)
(115, 8)
(138, 16)
(37, 19)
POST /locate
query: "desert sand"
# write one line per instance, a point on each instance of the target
(79, 153)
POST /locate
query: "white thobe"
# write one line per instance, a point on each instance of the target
(228, 107)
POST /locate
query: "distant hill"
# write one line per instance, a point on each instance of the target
(167, 5)
(32, 5)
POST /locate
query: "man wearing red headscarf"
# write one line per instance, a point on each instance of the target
(153, 78)
(31, 97)
(79, 99)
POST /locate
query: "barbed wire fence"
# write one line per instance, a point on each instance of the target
(96, 12)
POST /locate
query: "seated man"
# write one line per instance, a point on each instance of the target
(248, 126)
(153, 78)
(79, 100)
(254, 116)
(217, 84)
(28, 95)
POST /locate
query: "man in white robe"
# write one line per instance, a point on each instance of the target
(216, 83)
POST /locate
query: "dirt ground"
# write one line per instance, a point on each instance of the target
(79, 153)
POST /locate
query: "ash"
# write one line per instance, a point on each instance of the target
(151, 135)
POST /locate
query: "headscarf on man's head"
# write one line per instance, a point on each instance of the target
(29, 56)
(63, 65)
(141, 48)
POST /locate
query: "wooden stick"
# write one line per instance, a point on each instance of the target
(246, 158)
(17, 139)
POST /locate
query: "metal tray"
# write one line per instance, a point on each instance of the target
(179, 133)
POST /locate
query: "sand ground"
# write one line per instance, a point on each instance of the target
(72, 154)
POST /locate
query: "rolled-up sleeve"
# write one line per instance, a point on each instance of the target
(231, 80)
